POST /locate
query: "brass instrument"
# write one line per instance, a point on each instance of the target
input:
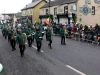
(30, 34)
(13, 36)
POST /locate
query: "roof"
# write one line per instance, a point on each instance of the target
(8, 13)
(18, 14)
(58, 2)
(33, 4)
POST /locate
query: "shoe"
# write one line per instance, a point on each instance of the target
(14, 48)
(22, 56)
(64, 44)
(50, 47)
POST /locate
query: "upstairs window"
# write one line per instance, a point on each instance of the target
(47, 11)
(55, 11)
(93, 10)
(66, 9)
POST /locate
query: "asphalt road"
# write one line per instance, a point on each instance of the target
(75, 58)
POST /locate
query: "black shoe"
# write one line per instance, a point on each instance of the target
(22, 56)
(50, 47)
(14, 48)
(64, 44)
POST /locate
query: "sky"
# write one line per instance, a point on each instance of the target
(12, 6)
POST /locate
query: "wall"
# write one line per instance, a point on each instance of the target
(60, 9)
(89, 19)
(36, 11)
(27, 12)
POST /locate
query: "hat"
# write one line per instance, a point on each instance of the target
(19, 30)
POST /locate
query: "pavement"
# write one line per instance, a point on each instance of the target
(74, 58)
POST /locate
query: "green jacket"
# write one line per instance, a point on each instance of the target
(20, 39)
(37, 35)
(49, 34)
(5, 30)
(29, 32)
(13, 33)
(62, 31)
(9, 33)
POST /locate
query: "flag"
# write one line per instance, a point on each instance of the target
(48, 21)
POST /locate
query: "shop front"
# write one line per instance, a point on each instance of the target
(62, 18)
(44, 17)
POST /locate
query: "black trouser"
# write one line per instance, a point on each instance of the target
(39, 44)
(62, 40)
(33, 39)
(42, 35)
(5, 35)
(22, 49)
(2, 33)
(13, 44)
(30, 40)
(46, 37)
(9, 38)
(50, 41)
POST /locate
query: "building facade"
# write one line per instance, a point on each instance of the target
(81, 11)
(32, 10)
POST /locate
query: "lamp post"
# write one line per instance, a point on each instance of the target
(4, 16)
(49, 10)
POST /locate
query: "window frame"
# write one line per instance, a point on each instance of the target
(55, 11)
(66, 11)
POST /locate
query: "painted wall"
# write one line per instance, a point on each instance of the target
(89, 19)
(27, 12)
(36, 11)
(86, 19)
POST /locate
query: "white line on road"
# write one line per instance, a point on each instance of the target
(36, 48)
(79, 72)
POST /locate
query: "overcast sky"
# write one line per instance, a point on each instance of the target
(12, 6)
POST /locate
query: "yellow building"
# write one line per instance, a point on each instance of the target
(84, 11)
(32, 10)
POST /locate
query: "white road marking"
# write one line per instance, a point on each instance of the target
(79, 72)
(36, 48)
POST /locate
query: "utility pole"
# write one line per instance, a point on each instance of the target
(4, 16)
(49, 10)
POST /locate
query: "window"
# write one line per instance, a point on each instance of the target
(47, 12)
(66, 9)
(88, 1)
(55, 11)
(30, 11)
(93, 10)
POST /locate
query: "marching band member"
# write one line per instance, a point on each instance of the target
(49, 36)
(29, 37)
(12, 39)
(9, 33)
(21, 40)
(62, 34)
(38, 37)
(5, 32)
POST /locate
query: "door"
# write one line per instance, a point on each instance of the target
(44, 19)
